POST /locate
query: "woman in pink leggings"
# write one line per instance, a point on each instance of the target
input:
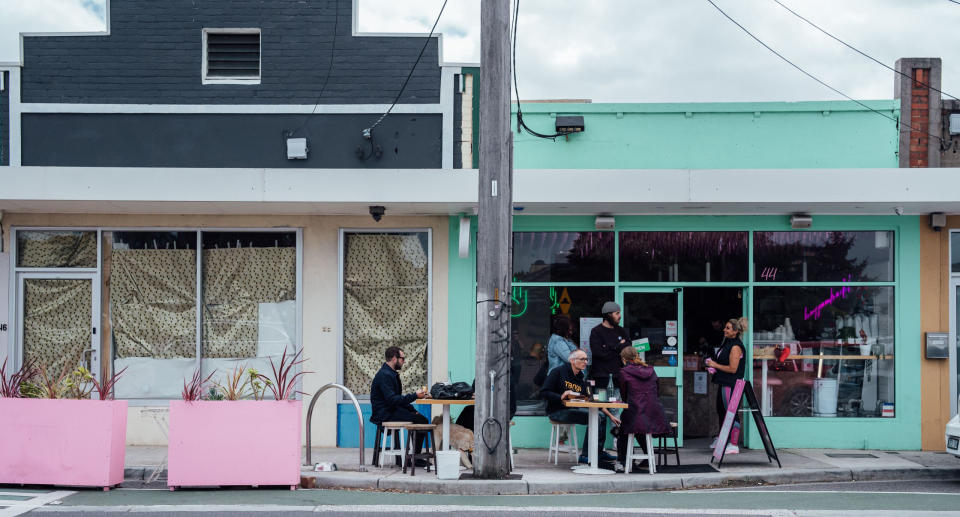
(729, 363)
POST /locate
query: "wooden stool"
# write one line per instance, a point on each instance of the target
(663, 449)
(414, 431)
(553, 451)
(649, 455)
(392, 439)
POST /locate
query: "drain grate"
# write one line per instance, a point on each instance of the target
(850, 455)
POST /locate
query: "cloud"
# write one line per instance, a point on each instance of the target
(18, 16)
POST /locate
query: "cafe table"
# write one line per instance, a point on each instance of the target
(445, 404)
(593, 423)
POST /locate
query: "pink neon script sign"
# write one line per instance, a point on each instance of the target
(815, 313)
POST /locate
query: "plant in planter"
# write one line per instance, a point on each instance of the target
(55, 433)
(235, 437)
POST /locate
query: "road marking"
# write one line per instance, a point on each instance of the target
(12, 508)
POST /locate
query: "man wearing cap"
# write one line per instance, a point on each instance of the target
(606, 341)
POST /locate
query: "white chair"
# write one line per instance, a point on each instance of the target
(572, 446)
(631, 451)
(393, 430)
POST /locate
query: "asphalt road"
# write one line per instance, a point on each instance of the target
(884, 499)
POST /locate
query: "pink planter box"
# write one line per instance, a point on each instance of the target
(62, 442)
(242, 442)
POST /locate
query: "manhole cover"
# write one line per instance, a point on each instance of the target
(850, 455)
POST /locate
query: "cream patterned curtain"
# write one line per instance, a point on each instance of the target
(56, 322)
(153, 303)
(385, 289)
(235, 282)
(56, 249)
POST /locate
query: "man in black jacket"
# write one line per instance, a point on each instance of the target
(606, 341)
(388, 402)
(567, 382)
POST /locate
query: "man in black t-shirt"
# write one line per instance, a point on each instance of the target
(606, 341)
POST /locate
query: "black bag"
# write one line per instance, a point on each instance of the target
(455, 391)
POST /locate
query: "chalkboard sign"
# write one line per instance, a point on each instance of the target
(733, 407)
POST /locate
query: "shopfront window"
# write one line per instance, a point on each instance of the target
(823, 256)
(683, 256)
(56, 249)
(563, 256)
(824, 351)
(386, 301)
(537, 313)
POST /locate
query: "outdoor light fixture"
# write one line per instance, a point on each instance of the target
(297, 149)
(801, 222)
(569, 124)
(605, 222)
(377, 212)
(938, 220)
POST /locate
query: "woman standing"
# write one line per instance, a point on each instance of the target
(729, 363)
(561, 342)
(645, 414)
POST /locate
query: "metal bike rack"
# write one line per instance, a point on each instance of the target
(356, 405)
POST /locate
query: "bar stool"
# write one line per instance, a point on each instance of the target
(663, 448)
(554, 450)
(392, 441)
(649, 455)
(414, 431)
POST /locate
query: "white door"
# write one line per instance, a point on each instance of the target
(58, 316)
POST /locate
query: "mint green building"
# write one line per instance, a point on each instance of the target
(691, 214)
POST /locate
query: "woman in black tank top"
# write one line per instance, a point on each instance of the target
(730, 363)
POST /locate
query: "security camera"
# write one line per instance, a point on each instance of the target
(377, 212)
(898, 210)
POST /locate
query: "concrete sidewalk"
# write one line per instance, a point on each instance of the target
(750, 467)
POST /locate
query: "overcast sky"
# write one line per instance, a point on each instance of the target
(645, 50)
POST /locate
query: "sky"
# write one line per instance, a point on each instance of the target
(644, 50)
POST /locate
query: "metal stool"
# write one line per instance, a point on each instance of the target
(649, 455)
(663, 449)
(414, 431)
(392, 447)
(554, 449)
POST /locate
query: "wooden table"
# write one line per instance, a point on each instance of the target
(446, 403)
(593, 423)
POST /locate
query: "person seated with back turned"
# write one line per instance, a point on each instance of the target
(645, 415)
(388, 402)
(567, 382)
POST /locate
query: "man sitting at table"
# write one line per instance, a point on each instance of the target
(567, 382)
(388, 402)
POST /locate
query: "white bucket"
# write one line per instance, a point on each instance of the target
(825, 397)
(448, 464)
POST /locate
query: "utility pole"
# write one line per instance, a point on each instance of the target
(494, 245)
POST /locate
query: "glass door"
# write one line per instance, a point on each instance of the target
(57, 321)
(655, 314)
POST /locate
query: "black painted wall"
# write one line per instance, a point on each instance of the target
(5, 120)
(153, 56)
(218, 140)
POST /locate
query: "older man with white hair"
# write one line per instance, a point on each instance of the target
(568, 382)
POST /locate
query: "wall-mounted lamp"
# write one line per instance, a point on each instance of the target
(938, 220)
(801, 221)
(297, 149)
(605, 222)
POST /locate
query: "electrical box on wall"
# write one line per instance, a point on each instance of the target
(955, 123)
(938, 345)
(297, 149)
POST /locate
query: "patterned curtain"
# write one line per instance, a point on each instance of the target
(56, 249)
(385, 289)
(57, 317)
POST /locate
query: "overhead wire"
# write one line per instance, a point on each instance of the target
(367, 133)
(858, 51)
(513, 67)
(326, 79)
(943, 144)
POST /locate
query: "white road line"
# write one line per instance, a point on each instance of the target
(14, 508)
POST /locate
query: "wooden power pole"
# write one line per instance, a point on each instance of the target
(494, 244)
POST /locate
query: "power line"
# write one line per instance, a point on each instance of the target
(513, 66)
(954, 1)
(943, 144)
(333, 49)
(367, 133)
(864, 54)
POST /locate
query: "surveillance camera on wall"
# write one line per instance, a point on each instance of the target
(938, 220)
(377, 212)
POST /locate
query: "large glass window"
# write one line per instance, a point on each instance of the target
(683, 256)
(563, 256)
(535, 311)
(824, 351)
(386, 278)
(823, 256)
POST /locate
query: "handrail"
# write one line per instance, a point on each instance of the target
(356, 405)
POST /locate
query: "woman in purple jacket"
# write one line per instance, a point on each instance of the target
(645, 414)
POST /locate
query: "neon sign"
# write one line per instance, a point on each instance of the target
(518, 300)
(834, 295)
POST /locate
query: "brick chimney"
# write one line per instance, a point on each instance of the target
(920, 107)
